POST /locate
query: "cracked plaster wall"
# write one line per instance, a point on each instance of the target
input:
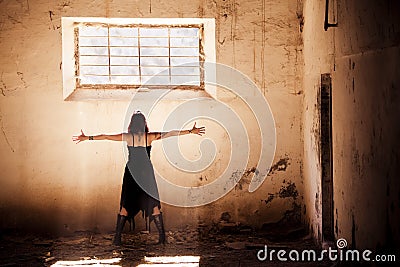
(50, 184)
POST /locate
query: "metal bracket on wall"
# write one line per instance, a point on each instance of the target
(326, 22)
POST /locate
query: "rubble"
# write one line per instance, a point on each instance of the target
(213, 243)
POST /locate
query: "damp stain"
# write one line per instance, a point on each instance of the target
(281, 165)
(288, 190)
(270, 198)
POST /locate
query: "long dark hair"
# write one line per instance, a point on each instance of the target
(138, 124)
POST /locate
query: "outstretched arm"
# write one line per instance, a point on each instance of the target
(200, 131)
(83, 137)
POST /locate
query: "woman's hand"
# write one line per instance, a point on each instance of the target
(200, 131)
(79, 138)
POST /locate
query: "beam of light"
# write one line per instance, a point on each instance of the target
(171, 261)
(91, 262)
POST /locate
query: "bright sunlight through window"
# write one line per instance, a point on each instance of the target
(133, 55)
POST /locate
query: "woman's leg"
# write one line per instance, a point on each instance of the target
(123, 212)
(156, 211)
(121, 219)
(158, 221)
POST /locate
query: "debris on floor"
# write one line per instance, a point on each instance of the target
(212, 244)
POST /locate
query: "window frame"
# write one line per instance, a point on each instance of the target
(75, 92)
(133, 86)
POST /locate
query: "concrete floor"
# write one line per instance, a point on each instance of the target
(216, 246)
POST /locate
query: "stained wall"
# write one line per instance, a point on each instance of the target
(50, 184)
(362, 55)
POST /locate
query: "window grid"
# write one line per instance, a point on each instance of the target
(173, 69)
(139, 59)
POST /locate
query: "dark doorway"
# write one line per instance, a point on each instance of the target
(326, 157)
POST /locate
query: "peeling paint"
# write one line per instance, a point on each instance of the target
(288, 190)
(281, 165)
(270, 198)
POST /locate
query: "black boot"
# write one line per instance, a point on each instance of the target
(121, 219)
(132, 224)
(158, 221)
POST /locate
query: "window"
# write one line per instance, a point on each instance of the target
(123, 54)
(139, 55)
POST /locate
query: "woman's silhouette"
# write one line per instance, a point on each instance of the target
(139, 187)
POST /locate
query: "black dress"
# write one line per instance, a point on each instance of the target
(139, 187)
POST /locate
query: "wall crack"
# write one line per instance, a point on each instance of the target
(5, 135)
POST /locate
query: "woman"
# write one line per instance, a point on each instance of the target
(139, 187)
